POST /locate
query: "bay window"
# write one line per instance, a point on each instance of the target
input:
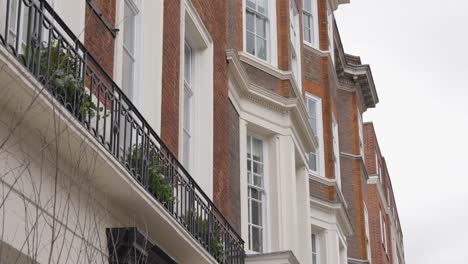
(256, 194)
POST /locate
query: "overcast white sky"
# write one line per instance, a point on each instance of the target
(418, 52)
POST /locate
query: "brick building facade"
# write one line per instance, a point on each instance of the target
(225, 131)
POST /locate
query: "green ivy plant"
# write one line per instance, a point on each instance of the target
(59, 69)
(202, 230)
(160, 185)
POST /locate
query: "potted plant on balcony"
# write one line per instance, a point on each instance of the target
(159, 183)
(202, 230)
(59, 70)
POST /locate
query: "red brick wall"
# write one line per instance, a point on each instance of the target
(215, 18)
(97, 38)
(375, 203)
(170, 75)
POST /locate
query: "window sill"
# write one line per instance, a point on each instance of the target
(321, 179)
(315, 49)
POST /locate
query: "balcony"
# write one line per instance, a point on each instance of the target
(50, 53)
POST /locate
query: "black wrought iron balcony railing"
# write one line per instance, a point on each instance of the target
(42, 42)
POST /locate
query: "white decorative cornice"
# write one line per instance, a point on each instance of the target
(295, 107)
(191, 11)
(339, 210)
(356, 70)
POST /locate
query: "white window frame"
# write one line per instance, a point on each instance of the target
(195, 34)
(271, 33)
(378, 171)
(361, 134)
(134, 7)
(331, 43)
(263, 190)
(295, 36)
(315, 238)
(320, 160)
(312, 16)
(383, 231)
(189, 110)
(366, 222)
(336, 151)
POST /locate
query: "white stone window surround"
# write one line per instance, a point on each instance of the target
(129, 13)
(331, 240)
(310, 17)
(264, 115)
(263, 190)
(316, 247)
(318, 130)
(146, 94)
(194, 33)
(367, 229)
(130, 47)
(336, 151)
(271, 33)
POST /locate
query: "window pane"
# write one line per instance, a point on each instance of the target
(257, 149)
(251, 43)
(314, 246)
(262, 6)
(187, 63)
(250, 22)
(251, 4)
(187, 112)
(256, 213)
(129, 28)
(307, 5)
(127, 74)
(261, 48)
(313, 161)
(258, 168)
(256, 239)
(255, 194)
(313, 124)
(258, 181)
(306, 20)
(307, 35)
(312, 108)
(261, 28)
